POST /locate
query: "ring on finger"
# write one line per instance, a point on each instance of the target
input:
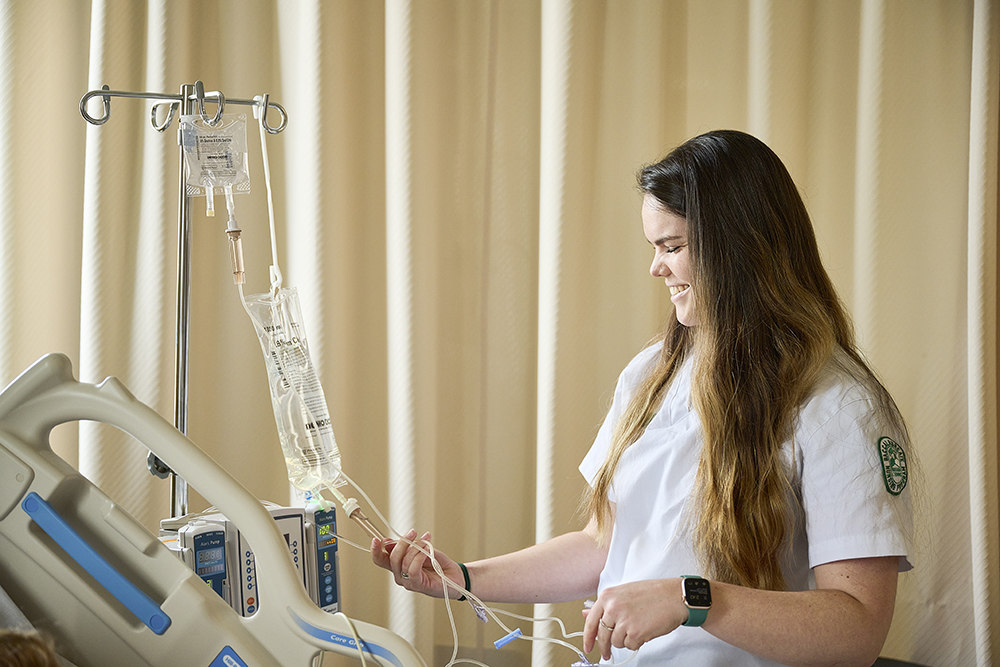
(404, 575)
(609, 628)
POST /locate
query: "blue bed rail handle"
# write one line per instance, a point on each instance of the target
(137, 602)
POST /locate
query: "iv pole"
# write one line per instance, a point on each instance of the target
(178, 487)
(190, 101)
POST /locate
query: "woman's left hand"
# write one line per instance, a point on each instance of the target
(629, 615)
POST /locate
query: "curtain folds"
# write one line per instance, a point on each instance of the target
(556, 47)
(8, 247)
(121, 297)
(455, 202)
(983, 146)
(399, 263)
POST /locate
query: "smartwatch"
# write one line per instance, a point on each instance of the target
(697, 596)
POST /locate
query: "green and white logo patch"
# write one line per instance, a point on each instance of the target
(893, 465)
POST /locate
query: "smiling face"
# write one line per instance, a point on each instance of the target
(667, 233)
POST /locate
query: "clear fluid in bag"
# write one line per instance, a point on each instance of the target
(300, 411)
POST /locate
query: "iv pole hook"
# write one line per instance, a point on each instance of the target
(107, 106)
(200, 94)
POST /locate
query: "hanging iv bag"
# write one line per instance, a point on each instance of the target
(215, 156)
(300, 410)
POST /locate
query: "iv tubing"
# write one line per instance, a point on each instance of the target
(448, 583)
(353, 510)
(354, 632)
(235, 244)
(275, 271)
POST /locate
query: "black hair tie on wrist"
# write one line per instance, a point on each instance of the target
(468, 584)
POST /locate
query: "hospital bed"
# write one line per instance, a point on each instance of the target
(109, 592)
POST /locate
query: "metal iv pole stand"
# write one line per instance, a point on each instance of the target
(178, 486)
(191, 100)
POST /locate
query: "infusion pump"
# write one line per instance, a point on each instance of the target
(217, 551)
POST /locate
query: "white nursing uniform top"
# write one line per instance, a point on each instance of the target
(838, 474)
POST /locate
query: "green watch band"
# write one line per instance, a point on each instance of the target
(697, 596)
(696, 617)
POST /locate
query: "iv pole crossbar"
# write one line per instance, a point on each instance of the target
(199, 97)
(191, 100)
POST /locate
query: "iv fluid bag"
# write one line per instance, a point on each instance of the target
(300, 410)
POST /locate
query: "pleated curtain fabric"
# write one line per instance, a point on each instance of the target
(400, 292)
(455, 202)
(121, 303)
(982, 327)
(8, 242)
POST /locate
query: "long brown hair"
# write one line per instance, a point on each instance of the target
(769, 323)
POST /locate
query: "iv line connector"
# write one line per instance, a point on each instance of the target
(353, 510)
(360, 519)
(236, 255)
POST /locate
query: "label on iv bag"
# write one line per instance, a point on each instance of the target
(300, 410)
(215, 156)
(296, 372)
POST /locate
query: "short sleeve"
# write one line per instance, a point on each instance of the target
(594, 459)
(855, 507)
(624, 389)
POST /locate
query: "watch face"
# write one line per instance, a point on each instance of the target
(697, 592)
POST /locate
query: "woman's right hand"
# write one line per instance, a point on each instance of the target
(412, 568)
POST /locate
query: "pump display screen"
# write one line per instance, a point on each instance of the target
(210, 561)
(326, 533)
(209, 555)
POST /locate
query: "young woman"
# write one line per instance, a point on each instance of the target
(749, 501)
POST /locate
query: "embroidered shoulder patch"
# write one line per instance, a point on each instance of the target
(893, 465)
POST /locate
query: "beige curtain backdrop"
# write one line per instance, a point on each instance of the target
(455, 202)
